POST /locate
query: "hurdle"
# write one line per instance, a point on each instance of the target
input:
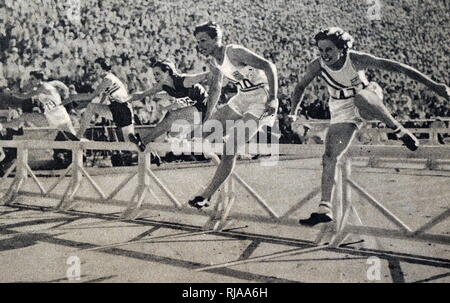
(332, 234)
(346, 218)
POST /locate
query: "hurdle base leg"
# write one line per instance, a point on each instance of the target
(213, 221)
(130, 214)
(218, 224)
(10, 198)
(13, 192)
(326, 234)
(134, 210)
(219, 220)
(67, 204)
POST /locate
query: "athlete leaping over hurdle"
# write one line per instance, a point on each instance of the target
(46, 92)
(352, 98)
(256, 100)
(119, 110)
(190, 97)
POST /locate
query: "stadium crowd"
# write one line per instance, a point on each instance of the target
(63, 38)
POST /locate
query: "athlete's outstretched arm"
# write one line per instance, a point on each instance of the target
(364, 60)
(26, 95)
(312, 71)
(61, 86)
(149, 92)
(192, 79)
(89, 96)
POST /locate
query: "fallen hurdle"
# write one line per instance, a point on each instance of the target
(347, 220)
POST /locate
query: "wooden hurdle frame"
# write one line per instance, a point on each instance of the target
(331, 235)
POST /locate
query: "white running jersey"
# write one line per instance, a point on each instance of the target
(246, 78)
(51, 99)
(117, 91)
(344, 83)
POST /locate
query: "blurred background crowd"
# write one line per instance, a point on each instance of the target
(63, 38)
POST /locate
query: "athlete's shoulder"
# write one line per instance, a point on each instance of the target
(357, 55)
(315, 65)
(110, 78)
(235, 49)
(363, 60)
(43, 88)
(178, 79)
(233, 46)
(44, 85)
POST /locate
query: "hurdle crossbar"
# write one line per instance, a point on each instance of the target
(345, 183)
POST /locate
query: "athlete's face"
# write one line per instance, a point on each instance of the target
(97, 69)
(329, 52)
(34, 81)
(205, 44)
(160, 76)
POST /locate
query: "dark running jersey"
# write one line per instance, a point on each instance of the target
(194, 96)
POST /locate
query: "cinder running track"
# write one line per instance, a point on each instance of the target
(35, 243)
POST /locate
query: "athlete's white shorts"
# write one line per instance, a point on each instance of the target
(58, 117)
(345, 110)
(252, 102)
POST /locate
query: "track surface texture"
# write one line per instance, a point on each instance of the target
(36, 243)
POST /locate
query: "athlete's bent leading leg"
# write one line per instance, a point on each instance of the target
(186, 114)
(370, 106)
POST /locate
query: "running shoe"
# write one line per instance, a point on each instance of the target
(136, 139)
(408, 139)
(315, 219)
(198, 202)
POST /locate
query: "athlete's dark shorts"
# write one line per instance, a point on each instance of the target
(122, 114)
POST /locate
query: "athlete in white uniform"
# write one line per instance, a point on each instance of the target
(119, 110)
(256, 101)
(352, 99)
(47, 94)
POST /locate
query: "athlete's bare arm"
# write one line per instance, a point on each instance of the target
(61, 86)
(27, 95)
(89, 96)
(149, 92)
(242, 55)
(312, 71)
(364, 61)
(192, 79)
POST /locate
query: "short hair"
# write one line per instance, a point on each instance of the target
(37, 74)
(340, 38)
(165, 66)
(211, 28)
(103, 64)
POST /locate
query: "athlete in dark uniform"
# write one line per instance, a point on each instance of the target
(190, 105)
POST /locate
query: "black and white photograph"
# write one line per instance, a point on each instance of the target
(224, 146)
